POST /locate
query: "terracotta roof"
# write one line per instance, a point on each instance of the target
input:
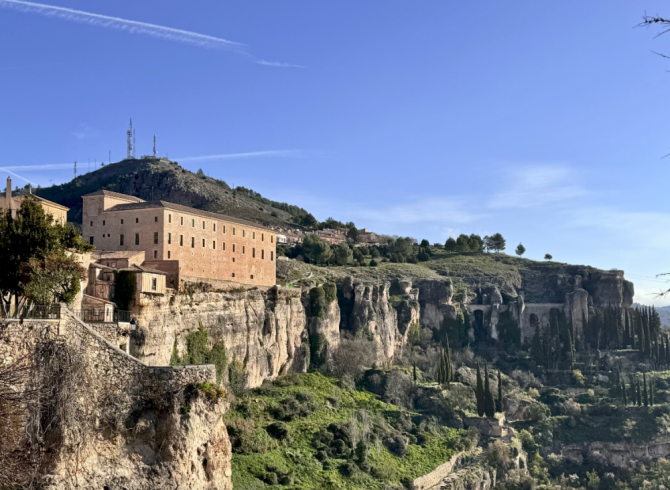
(184, 209)
(103, 192)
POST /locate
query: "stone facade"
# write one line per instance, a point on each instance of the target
(162, 444)
(205, 246)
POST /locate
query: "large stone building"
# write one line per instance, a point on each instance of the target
(188, 244)
(13, 203)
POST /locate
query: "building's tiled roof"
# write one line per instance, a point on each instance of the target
(184, 209)
(103, 192)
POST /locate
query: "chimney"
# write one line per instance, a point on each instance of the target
(8, 194)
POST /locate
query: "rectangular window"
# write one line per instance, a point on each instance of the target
(233, 231)
(214, 244)
(243, 248)
(203, 243)
(253, 235)
(121, 221)
(224, 229)
(91, 223)
(103, 222)
(262, 237)
(233, 247)
(233, 274)
(223, 246)
(169, 238)
(272, 255)
(262, 254)
(169, 254)
(214, 227)
(192, 223)
(154, 284)
(155, 238)
(90, 239)
(272, 239)
(137, 220)
(155, 219)
(244, 233)
(137, 238)
(203, 225)
(182, 220)
(181, 240)
(121, 243)
(155, 254)
(252, 276)
(169, 218)
(192, 242)
(253, 253)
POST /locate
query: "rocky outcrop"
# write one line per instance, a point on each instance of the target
(107, 419)
(617, 454)
(371, 314)
(264, 330)
(323, 326)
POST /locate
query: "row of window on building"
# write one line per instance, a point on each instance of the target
(204, 227)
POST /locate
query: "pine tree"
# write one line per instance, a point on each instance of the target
(645, 398)
(489, 406)
(499, 400)
(480, 393)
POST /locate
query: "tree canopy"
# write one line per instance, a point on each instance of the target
(316, 250)
(520, 250)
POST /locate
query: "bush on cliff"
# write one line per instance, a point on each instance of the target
(197, 352)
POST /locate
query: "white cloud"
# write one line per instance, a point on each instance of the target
(250, 154)
(537, 185)
(84, 131)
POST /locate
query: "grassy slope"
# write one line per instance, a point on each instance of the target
(297, 456)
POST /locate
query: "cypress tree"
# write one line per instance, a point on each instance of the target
(480, 393)
(645, 397)
(499, 401)
(623, 392)
(414, 371)
(442, 368)
(651, 393)
(489, 406)
(639, 395)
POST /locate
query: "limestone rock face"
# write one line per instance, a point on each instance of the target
(609, 288)
(262, 329)
(370, 310)
(324, 327)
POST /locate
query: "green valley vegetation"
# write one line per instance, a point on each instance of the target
(37, 265)
(309, 431)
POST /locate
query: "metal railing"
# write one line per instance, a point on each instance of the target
(102, 316)
(36, 312)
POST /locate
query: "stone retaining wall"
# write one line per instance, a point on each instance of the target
(136, 426)
(438, 474)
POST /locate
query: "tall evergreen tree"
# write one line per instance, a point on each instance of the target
(645, 397)
(489, 405)
(651, 393)
(499, 400)
(537, 350)
(639, 395)
(623, 393)
(480, 393)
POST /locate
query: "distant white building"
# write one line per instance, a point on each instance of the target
(281, 238)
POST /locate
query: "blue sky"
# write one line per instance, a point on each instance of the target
(543, 121)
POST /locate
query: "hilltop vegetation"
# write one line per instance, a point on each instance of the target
(151, 179)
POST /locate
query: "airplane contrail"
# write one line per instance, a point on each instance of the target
(132, 26)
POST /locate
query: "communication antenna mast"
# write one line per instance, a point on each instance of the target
(75, 169)
(154, 146)
(129, 141)
(133, 143)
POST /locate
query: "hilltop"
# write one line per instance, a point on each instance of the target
(162, 179)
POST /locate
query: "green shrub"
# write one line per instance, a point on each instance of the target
(278, 430)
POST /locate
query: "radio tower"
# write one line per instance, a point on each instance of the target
(129, 141)
(75, 169)
(154, 146)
